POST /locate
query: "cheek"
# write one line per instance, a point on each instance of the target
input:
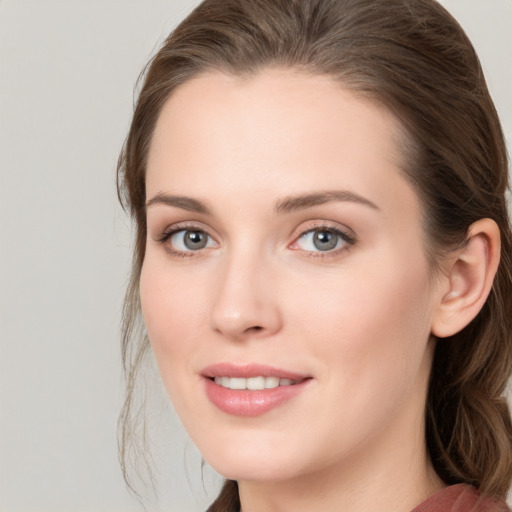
(170, 306)
(372, 320)
(367, 334)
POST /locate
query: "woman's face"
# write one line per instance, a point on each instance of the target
(285, 247)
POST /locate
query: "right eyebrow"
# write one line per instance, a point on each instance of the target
(301, 202)
(185, 203)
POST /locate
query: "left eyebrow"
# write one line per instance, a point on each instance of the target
(301, 202)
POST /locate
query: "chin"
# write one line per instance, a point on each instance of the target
(247, 459)
(254, 460)
(253, 471)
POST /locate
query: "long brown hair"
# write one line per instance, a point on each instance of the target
(412, 57)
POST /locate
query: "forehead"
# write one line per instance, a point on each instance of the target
(279, 130)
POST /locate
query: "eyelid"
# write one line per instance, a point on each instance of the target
(170, 229)
(319, 224)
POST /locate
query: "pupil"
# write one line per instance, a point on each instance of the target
(325, 240)
(195, 240)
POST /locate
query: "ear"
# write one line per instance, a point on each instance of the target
(468, 280)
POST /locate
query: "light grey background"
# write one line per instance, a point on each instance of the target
(67, 69)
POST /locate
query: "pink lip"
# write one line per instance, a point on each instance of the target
(246, 402)
(249, 370)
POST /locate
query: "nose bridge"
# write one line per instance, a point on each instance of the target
(246, 300)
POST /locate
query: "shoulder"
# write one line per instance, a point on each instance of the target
(461, 498)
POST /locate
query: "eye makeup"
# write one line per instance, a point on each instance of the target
(316, 240)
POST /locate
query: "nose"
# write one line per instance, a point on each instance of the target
(246, 302)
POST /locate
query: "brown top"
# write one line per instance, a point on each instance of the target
(454, 498)
(461, 498)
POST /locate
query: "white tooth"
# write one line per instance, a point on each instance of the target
(225, 382)
(238, 383)
(271, 382)
(218, 380)
(285, 382)
(256, 383)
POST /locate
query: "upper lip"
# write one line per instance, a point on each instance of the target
(249, 370)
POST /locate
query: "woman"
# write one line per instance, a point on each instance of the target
(323, 255)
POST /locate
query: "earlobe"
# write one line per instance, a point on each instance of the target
(468, 280)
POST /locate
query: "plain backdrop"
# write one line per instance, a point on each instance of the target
(67, 71)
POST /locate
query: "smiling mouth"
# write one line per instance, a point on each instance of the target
(253, 389)
(254, 383)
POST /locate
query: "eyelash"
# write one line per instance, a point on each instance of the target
(348, 239)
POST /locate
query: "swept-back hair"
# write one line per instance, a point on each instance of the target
(412, 57)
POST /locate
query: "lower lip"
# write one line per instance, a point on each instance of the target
(251, 403)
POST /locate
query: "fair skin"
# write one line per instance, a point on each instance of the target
(334, 288)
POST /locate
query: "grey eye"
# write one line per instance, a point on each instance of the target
(322, 240)
(325, 240)
(195, 240)
(187, 240)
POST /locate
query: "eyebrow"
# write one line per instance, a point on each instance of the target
(301, 202)
(286, 205)
(183, 202)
